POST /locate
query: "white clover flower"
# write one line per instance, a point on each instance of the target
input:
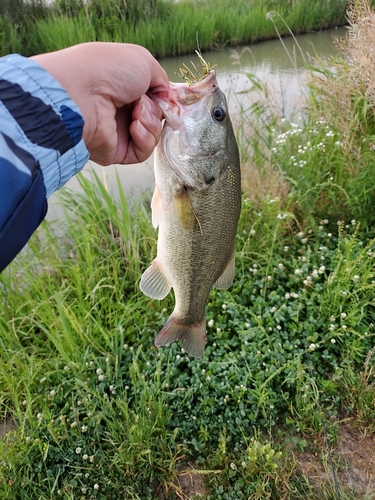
(333, 341)
(329, 235)
(312, 347)
(92, 459)
(286, 248)
(298, 271)
(278, 327)
(39, 416)
(247, 325)
(85, 456)
(272, 407)
(344, 327)
(356, 278)
(224, 306)
(322, 269)
(218, 330)
(96, 486)
(273, 309)
(281, 266)
(332, 327)
(243, 465)
(294, 295)
(24, 402)
(99, 371)
(287, 296)
(300, 235)
(233, 466)
(211, 323)
(125, 346)
(353, 222)
(42, 380)
(84, 490)
(78, 450)
(84, 428)
(101, 378)
(252, 231)
(73, 424)
(343, 315)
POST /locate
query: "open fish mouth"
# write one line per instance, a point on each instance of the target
(176, 100)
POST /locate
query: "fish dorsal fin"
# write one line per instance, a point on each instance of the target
(153, 282)
(226, 279)
(156, 208)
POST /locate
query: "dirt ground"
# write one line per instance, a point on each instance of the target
(354, 463)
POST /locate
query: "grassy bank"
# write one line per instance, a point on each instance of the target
(163, 26)
(100, 413)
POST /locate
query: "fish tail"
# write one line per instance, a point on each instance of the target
(193, 337)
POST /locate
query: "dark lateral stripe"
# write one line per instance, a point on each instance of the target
(38, 120)
(25, 219)
(27, 158)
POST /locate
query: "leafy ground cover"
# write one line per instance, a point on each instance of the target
(282, 403)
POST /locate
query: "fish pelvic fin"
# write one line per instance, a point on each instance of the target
(226, 279)
(153, 282)
(193, 337)
(156, 207)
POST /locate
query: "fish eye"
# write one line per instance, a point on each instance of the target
(218, 114)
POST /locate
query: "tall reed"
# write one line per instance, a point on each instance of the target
(169, 28)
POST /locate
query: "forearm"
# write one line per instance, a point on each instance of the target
(41, 148)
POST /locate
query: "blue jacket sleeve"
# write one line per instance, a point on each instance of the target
(41, 148)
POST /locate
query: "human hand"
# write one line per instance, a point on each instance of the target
(109, 81)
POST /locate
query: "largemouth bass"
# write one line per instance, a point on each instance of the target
(196, 205)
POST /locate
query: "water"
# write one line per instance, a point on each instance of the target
(278, 64)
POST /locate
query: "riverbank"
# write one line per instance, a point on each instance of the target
(164, 27)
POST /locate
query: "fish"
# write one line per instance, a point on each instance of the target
(195, 206)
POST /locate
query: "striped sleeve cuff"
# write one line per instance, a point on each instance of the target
(42, 119)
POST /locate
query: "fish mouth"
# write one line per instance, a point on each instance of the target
(175, 100)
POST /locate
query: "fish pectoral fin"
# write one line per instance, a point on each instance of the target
(157, 211)
(226, 279)
(153, 282)
(193, 337)
(186, 214)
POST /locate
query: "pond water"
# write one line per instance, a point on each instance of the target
(278, 64)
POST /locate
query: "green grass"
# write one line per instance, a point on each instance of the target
(164, 27)
(101, 413)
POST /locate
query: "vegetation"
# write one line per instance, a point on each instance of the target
(165, 27)
(101, 413)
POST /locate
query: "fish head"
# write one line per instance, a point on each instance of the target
(197, 139)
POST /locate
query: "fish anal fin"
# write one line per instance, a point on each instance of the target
(153, 283)
(227, 277)
(156, 208)
(193, 337)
